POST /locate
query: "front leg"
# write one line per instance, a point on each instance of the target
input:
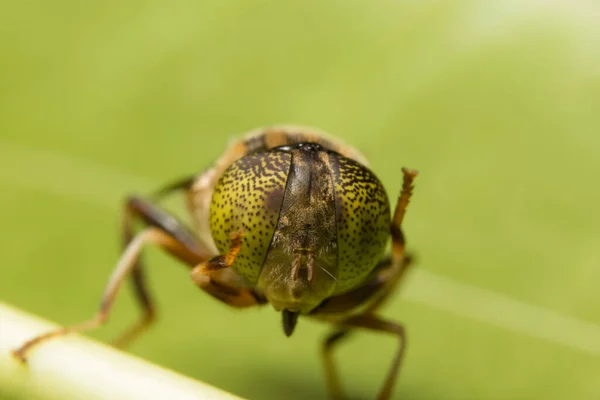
(216, 278)
(398, 240)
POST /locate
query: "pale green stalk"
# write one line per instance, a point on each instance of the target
(75, 367)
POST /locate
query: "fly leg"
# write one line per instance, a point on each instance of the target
(331, 376)
(152, 235)
(215, 277)
(361, 303)
(162, 231)
(398, 240)
(375, 323)
(140, 210)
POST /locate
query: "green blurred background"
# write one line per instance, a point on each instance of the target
(497, 103)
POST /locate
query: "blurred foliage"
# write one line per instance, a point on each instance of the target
(497, 103)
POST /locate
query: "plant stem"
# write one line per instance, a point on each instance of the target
(76, 367)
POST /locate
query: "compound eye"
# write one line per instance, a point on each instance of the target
(363, 221)
(248, 199)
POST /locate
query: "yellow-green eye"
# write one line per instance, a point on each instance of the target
(363, 221)
(248, 199)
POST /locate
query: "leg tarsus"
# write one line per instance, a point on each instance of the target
(21, 352)
(221, 261)
(396, 230)
(209, 277)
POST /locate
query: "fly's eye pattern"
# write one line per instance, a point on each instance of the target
(363, 221)
(247, 198)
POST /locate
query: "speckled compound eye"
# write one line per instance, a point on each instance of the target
(248, 198)
(362, 221)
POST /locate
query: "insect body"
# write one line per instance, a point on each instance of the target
(287, 216)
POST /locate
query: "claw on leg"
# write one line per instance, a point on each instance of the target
(212, 277)
(218, 262)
